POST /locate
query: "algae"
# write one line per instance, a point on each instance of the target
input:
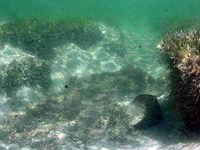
(39, 37)
(184, 50)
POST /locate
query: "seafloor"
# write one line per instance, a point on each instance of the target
(71, 86)
(69, 74)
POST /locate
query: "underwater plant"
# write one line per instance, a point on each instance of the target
(184, 50)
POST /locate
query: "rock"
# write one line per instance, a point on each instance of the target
(153, 115)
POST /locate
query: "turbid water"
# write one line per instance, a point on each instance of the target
(95, 108)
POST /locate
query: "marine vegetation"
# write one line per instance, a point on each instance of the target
(184, 49)
(92, 109)
(39, 37)
(24, 72)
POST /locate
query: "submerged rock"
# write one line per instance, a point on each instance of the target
(153, 115)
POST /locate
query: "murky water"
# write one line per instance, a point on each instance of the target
(78, 95)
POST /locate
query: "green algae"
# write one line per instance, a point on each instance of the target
(90, 108)
(39, 37)
(125, 81)
(25, 72)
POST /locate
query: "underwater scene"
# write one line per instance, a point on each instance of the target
(99, 75)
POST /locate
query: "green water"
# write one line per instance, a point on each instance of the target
(141, 26)
(122, 11)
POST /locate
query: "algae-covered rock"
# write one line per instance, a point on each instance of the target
(129, 80)
(184, 49)
(39, 37)
(28, 71)
(117, 123)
